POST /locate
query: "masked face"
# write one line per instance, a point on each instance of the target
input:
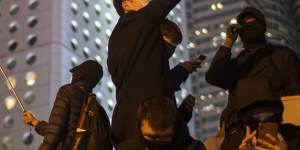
(251, 31)
(170, 49)
(156, 140)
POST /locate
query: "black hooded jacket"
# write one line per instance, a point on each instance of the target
(271, 71)
(138, 64)
(59, 132)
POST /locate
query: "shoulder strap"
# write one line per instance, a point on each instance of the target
(89, 98)
(84, 110)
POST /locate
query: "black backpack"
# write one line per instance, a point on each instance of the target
(94, 120)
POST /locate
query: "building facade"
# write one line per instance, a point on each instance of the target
(41, 41)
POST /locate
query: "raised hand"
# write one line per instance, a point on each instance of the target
(274, 144)
(249, 140)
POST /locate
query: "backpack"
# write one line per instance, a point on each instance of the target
(95, 122)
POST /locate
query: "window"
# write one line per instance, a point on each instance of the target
(27, 138)
(86, 34)
(29, 97)
(30, 78)
(13, 27)
(74, 25)
(97, 9)
(14, 9)
(32, 21)
(31, 39)
(10, 102)
(13, 82)
(74, 8)
(86, 17)
(86, 52)
(108, 17)
(98, 26)
(74, 61)
(12, 45)
(6, 143)
(98, 43)
(33, 4)
(86, 2)
(30, 58)
(74, 43)
(8, 122)
(11, 63)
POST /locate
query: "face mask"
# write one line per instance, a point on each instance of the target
(156, 144)
(170, 49)
(252, 35)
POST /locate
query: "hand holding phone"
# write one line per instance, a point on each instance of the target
(265, 128)
(201, 57)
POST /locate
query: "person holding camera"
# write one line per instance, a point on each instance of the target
(261, 71)
(264, 119)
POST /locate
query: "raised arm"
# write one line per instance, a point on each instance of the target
(222, 72)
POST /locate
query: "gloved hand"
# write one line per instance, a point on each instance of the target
(231, 35)
(29, 119)
(186, 107)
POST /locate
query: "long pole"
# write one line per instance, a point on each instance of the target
(12, 89)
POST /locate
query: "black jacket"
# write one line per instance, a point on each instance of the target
(270, 72)
(137, 63)
(59, 133)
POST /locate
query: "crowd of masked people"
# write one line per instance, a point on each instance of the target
(146, 116)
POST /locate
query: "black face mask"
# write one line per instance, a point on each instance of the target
(157, 144)
(252, 35)
(170, 49)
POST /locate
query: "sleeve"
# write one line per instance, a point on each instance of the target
(107, 136)
(157, 10)
(293, 73)
(58, 120)
(176, 77)
(41, 127)
(222, 72)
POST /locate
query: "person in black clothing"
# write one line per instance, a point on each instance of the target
(262, 111)
(59, 133)
(261, 71)
(158, 128)
(138, 61)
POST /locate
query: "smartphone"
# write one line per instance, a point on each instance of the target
(201, 57)
(267, 127)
